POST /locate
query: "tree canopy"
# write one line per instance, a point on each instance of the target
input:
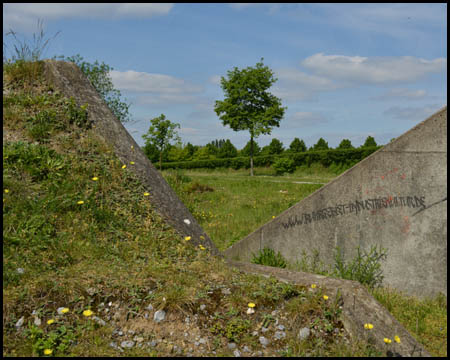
(247, 104)
(370, 141)
(160, 133)
(297, 145)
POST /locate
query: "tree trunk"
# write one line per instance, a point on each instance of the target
(251, 155)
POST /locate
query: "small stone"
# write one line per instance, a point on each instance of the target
(131, 332)
(99, 321)
(202, 341)
(202, 307)
(152, 343)
(259, 353)
(196, 343)
(187, 320)
(263, 341)
(231, 346)
(110, 303)
(159, 316)
(255, 333)
(19, 323)
(280, 327)
(264, 329)
(187, 221)
(303, 333)
(146, 315)
(237, 353)
(226, 291)
(91, 291)
(113, 344)
(149, 307)
(37, 321)
(279, 335)
(20, 270)
(120, 333)
(127, 344)
(246, 349)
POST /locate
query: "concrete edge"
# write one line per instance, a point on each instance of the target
(358, 308)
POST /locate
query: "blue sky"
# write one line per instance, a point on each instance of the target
(344, 70)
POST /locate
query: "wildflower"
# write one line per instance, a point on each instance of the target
(146, 194)
(202, 237)
(65, 310)
(132, 146)
(51, 321)
(187, 238)
(124, 166)
(368, 326)
(251, 305)
(397, 339)
(132, 162)
(387, 341)
(273, 216)
(325, 297)
(202, 247)
(48, 351)
(80, 202)
(87, 312)
(6, 191)
(313, 286)
(95, 178)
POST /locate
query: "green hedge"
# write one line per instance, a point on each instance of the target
(324, 157)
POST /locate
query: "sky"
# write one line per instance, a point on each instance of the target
(344, 71)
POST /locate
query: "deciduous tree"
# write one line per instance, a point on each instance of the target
(247, 104)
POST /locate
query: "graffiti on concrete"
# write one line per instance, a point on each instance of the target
(427, 207)
(356, 207)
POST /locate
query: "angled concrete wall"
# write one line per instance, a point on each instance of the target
(70, 81)
(396, 198)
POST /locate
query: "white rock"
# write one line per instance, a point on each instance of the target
(231, 346)
(263, 341)
(149, 307)
(237, 353)
(159, 316)
(19, 322)
(280, 327)
(202, 307)
(187, 221)
(279, 335)
(246, 349)
(303, 333)
(20, 270)
(37, 321)
(127, 344)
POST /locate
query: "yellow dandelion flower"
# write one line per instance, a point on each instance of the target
(273, 217)
(368, 326)
(202, 237)
(51, 321)
(202, 247)
(65, 310)
(87, 312)
(313, 286)
(251, 305)
(325, 297)
(187, 238)
(132, 162)
(397, 339)
(48, 351)
(387, 341)
(80, 202)
(132, 146)
(124, 166)
(6, 191)
(95, 178)
(146, 194)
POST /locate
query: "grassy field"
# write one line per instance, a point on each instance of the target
(85, 254)
(229, 204)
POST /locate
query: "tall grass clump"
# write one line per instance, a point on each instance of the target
(268, 257)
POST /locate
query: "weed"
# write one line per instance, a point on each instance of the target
(267, 257)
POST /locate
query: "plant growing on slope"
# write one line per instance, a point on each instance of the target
(268, 257)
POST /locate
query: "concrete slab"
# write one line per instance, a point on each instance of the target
(70, 81)
(395, 198)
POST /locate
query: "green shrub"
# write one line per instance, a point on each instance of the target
(364, 268)
(267, 257)
(284, 165)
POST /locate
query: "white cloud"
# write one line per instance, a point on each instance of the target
(375, 70)
(401, 93)
(303, 119)
(157, 88)
(23, 16)
(412, 113)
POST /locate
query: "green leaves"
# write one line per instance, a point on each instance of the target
(160, 133)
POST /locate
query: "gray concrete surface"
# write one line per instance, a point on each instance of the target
(396, 198)
(70, 81)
